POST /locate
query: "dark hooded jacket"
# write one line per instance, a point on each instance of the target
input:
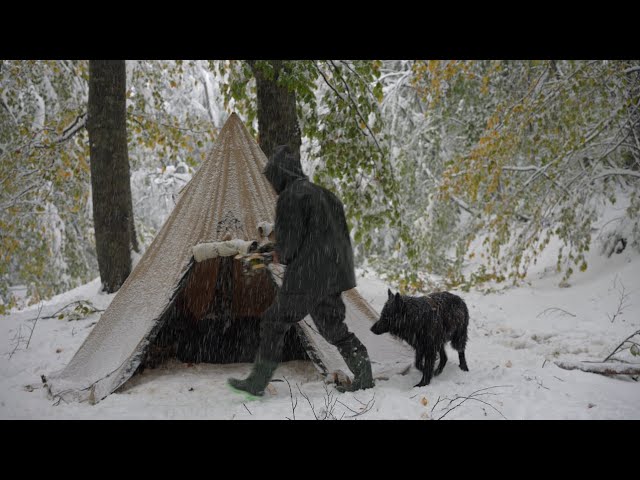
(312, 237)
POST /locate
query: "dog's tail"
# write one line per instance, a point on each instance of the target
(459, 337)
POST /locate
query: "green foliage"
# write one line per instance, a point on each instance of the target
(46, 225)
(76, 311)
(515, 152)
(453, 173)
(45, 176)
(339, 114)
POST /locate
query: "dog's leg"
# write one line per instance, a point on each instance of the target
(459, 342)
(443, 361)
(427, 371)
(463, 361)
(420, 359)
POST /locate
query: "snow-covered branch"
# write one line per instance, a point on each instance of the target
(617, 171)
(78, 124)
(526, 168)
(602, 368)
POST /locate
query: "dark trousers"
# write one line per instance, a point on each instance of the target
(327, 312)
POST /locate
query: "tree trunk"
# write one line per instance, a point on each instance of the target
(110, 183)
(633, 72)
(277, 117)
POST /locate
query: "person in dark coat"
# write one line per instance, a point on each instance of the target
(312, 240)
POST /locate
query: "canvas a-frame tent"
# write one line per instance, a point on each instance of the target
(226, 198)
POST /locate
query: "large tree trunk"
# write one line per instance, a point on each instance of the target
(277, 117)
(110, 183)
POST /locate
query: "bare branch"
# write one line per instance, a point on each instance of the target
(326, 80)
(34, 325)
(637, 332)
(293, 406)
(355, 106)
(17, 338)
(437, 402)
(349, 99)
(92, 309)
(454, 407)
(346, 64)
(472, 396)
(306, 397)
(329, 404)
(158, 122)
(617, 171)
(621, 304)
(367, 407)
(527, 168)
(551, 309)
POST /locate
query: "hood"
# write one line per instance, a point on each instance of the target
(283, 168)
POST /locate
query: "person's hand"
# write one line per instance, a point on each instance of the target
(267, 247)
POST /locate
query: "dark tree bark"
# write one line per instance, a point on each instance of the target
(110, 183)
(277, 117)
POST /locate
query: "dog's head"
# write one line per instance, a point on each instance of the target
(390, 315)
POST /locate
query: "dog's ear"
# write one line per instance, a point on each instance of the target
(397, 300)
(389, 293)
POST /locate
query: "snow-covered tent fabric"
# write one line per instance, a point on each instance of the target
(227, 198)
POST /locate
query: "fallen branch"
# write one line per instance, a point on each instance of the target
(616, 171)
(602, 368)
(84, 306)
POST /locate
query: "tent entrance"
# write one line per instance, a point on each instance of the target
(215, 317)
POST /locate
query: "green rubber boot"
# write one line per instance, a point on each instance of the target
(257, 380)
(357, 359)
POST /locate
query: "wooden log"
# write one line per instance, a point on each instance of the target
(602, 368)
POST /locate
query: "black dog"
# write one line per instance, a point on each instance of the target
(427, 323)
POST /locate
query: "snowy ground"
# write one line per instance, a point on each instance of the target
(514, 340)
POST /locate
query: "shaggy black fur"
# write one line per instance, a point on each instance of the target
(427, 323)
